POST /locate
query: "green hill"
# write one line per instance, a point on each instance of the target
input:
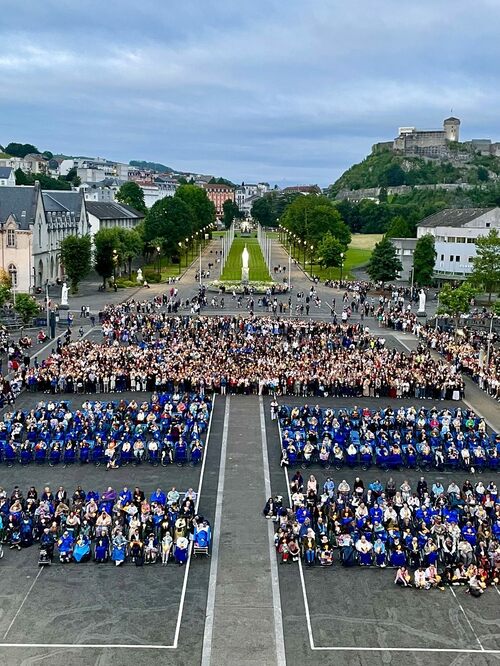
(384, 168)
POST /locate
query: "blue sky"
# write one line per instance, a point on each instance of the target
(288, 91)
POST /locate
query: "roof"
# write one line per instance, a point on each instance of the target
(5, 172)
(302, 188)
(62, 201)
(453, 217)
(112, 210)
(452, 119)
(20, 202)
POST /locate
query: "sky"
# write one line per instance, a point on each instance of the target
(281, 91)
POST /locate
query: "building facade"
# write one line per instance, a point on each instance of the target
(430, 143)
(112, 215)
(218, 193)
(7, 177)
(455, 231)
(18, 208)
(405, 247)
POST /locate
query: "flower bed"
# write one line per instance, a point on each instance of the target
(239, 287)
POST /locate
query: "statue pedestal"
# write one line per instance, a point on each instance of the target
(244, 275)
(421, 313)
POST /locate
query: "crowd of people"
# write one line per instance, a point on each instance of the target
(391, 438)
(443, 533)
(153, 351)
(117, 526)
(166, 429)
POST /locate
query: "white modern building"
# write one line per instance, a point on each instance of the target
(112, 215)
(455, 231)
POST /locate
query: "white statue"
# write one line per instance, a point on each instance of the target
(140, 279)
(421, 301)
(64, 294)
(244, 262)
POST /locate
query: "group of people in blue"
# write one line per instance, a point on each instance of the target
(108, 526)
(166, 429)
(454, 529)
(391, 438)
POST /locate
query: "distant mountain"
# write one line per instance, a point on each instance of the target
(155, 166)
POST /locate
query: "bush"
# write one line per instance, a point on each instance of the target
(125, 282)
(151, 276)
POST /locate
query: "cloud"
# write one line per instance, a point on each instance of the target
(287, 90)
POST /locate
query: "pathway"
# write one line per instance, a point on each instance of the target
(243, 611)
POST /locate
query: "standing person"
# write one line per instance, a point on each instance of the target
(274, 409)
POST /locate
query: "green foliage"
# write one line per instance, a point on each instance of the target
(151, 276)
(311, 217)
(76, 256)
(132, 195)
(231, 212)
(384, 264)
(20, 149)
(263, 211)
(454, 301)
(202, 209)
(399, 228)
(170, 219)
(46, 182)
(72, 177)
(496, 308)
(154, 166)
(486, 271)
(106, 257)
(482, 174)
(330, 251)
(26, 307)
(424, 259)
(5, 294)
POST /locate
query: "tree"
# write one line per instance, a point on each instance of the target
(482, 174)
(399, 228)
(5, 294)
(454, 301)
(262, 211)
(393, 176)
(132, 195)
(486, 263)
(27, 307)
(424, 259)
(170, 219)
(106, 253)
(384, 264)
(330, 251)
(72, 177)
(21, 177)
(20, 149)
(311, 217)
(202, 209)
(76, 257)
(231, 211)
(132, 246)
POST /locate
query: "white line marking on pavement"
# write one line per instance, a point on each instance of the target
(22, 603)
(301, 572)
(188, 564)
(214, 564)
(467, 619)
(407, 649)
(278, 620)
(79, 646)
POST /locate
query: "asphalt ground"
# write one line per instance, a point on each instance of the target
(88, 604)
(361, 609)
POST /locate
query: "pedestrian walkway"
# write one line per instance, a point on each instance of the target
(240, 611)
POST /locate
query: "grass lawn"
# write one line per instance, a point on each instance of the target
(257, 265)
(358, 254)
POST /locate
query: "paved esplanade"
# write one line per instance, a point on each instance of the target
(243, 624)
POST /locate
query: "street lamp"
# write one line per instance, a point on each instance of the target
(180, 255)
(341, 267)
(158, 249)
(312, 250)
(115, 261)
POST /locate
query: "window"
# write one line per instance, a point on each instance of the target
(451, 257)
(460, 239)
(442, 257)
(487, 225)
(451, 239)
(471, 240)
(11, 238)
(471, 259)
(13, 274)
(457, 258)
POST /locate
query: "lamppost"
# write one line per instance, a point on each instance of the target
(115, 261)
(304, 244)
(312, 250)
(158, 249)
(180, 255)
(490, 338)
(341, 267)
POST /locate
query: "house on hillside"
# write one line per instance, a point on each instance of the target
(111, 215)
(7, 177)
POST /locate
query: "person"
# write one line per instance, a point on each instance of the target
(65, 547)
(181, 550)
(81, 551)
(419, 579)
(166, 547)
(119, 548)
(432, 578)
(402, 578)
